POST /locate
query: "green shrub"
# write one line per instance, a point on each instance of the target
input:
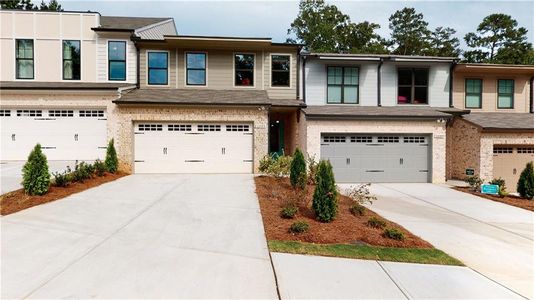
(360, 194)
(474, 182)
(297, 175)
(265, 163)
(502, 186)
(289, 212)
(35, 176)
(324, 201)
(299, 227)
(61, 179)
(100, 167)
(375, 222)
(357, 210)
(525, 185)
(111, 161)
(312, 169)
(81, 172)
(394, 234)
(275, 166)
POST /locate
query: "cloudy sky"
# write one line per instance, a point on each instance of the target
(272, 18)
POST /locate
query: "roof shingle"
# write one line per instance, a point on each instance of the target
(365, 112)
(127, 23)
(502, 121)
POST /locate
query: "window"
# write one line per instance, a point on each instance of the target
(334, 139)
(196, 68)
(388, 139)
(91, 113)
(179, 127)
(116, 60)
(244, 69)
(209, 128)
(414, 139)
(473, 93)
(242, 128)
(71, 60)
(280, 66)
(413, 86)
(150, 127)
(5, 113)
(158, 67)
(525, 150)
(502, 150)
(24, 59)
(505, 98)
(342, 85)
(60, 113)
(361, 139)
(29, 113)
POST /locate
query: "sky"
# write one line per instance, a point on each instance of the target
(273, 18)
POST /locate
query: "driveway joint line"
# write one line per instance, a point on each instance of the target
(103, 241)
(402, 290)
(458, 213)
(32, 226)
(492, 280)
(217, 252)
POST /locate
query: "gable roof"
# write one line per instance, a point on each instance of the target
(499, 121)
(126, 23)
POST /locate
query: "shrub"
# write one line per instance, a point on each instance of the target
(361, 195)
(299, 227)
(474, 182)
(297, 175)
(275, 166)
(100, 167)
(357, 210)
(394, 234)
(111, 161)
(324, 201)
(61, 179)
(502, 186)
(288, 212)
(525, 185)
(375, 222)
(35, 176)
(265, 163)
(81, 172)
(312, 169)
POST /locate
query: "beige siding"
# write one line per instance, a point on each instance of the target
(489, 91)
(281, 92)
(102, 56)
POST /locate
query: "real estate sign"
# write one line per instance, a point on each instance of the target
(492, 189)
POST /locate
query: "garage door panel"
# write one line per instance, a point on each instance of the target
(509, 162)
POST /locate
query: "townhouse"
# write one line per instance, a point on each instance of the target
(205, 104)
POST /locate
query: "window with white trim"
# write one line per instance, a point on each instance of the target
(414, 139)
(334, 139)
(60, 113)
(244, 128)
(29, 113)
(179, 127)
(150, 127)
(5, 113)
(503, 150)
(388, 139)
(361, 139)
(209, 127)
(92, 113)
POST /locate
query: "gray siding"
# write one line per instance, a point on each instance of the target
(156, 32)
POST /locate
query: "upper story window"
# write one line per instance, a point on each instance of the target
(244, 69)
(71, 60)
(158, 68)
(505, 93)
(24, 59)
(342, 85)
(473, 93)
(280, 69)
(412, 86)
(116, 60)
(195, 68)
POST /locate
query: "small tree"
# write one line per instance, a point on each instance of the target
(297, 175)
(35, 176)
(525, 185)
(325, 195)
(111, 161)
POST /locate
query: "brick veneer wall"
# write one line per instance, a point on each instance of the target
(463, 149)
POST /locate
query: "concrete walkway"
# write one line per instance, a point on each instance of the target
(315, 277)
(142, 236)
(492, 238)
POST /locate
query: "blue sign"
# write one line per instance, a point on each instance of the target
(492, 189)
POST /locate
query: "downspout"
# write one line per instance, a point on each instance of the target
(298, 73)
(134, 39)
(304, 79)
(379, 83)
(451, 83)
(532, 95)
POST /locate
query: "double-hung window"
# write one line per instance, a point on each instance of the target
(412, 86)
(195, 68)
(280, 70)
(244, 69)
(342, 85)
(158, 68)
(473, 93)
(505, 93)
(116, 60)
(71, 60)
(24, 59)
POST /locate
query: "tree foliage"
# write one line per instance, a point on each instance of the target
(409, 32)
(443, 43)
(111, 161)
(298, 174)
(325, 196)
(498, 39)
(35, 176)
(525, 185)
(52, 5)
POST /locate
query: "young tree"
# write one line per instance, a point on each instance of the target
(409, 32)
(298, 174)
(525, 185)
(111, 161)
(443, 43)
(498, 39)
(35, 176)
(325, 195)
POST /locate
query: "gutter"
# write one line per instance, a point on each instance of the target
(371, 117)
(379, 83)
(451, 83)
(193, 103)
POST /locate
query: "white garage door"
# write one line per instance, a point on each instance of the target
(193, 148)
(64, 134)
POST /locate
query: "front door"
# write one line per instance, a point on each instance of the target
(276, 138)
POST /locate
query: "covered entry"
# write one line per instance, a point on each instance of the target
(378, 158)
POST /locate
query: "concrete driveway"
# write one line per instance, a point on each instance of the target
(492, 238)
(142, 236)
(11, 172)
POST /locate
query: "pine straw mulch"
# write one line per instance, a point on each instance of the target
(509, 199)
(273, 193)
(15, 201)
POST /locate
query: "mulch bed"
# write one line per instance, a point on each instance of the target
(273, 193)
(510, 199)
(15, 201)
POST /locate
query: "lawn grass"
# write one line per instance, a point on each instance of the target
(409, 255)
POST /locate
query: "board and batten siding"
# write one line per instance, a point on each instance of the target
(102, 56)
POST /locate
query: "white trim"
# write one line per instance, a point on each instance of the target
(185, 70)
(176, 66)
(271, 71)
(253, 70)
(167, 37)
(263, 69)
(125, 59)
(168, 67)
